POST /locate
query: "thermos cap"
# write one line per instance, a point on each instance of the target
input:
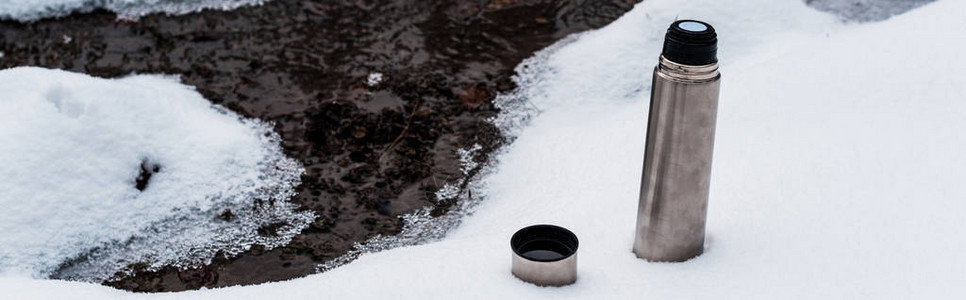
(691, 42)
(545, 255)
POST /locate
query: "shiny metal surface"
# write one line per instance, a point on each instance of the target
(545, 255)
(554, 273)
(686, 74)
(677, 162)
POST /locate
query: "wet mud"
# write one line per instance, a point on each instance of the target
(373, 149)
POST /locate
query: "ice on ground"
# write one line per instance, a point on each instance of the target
(100, 176)
(31, 10)
(836, 171)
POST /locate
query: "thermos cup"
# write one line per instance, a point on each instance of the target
(545, 255)
(676, 179)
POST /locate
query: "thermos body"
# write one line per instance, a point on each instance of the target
(676, 177)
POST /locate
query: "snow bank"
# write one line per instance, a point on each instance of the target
(30, 10)
(77, 202)
(837, 169)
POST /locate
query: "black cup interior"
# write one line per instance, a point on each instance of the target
(544, 243)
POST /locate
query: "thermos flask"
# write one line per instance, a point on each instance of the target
(680, 141)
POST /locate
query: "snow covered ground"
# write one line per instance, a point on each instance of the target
(837, 169)
(72, 149)
(30, 10)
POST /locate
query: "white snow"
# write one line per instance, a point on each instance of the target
(72, 146)
(373, 79)
(31, 10)
(837, 169)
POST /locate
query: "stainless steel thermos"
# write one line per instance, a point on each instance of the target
(680, 140)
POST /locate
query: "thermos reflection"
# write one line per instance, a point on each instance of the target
(680, 141)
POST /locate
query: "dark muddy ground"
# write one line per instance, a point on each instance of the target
(372, 153)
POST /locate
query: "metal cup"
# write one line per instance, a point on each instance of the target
(545, 255)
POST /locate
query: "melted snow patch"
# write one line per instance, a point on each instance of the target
(866, 10)
(101, 176)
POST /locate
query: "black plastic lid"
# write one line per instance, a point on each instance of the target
(691, 42)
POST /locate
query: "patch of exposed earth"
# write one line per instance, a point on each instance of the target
(372, 97)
